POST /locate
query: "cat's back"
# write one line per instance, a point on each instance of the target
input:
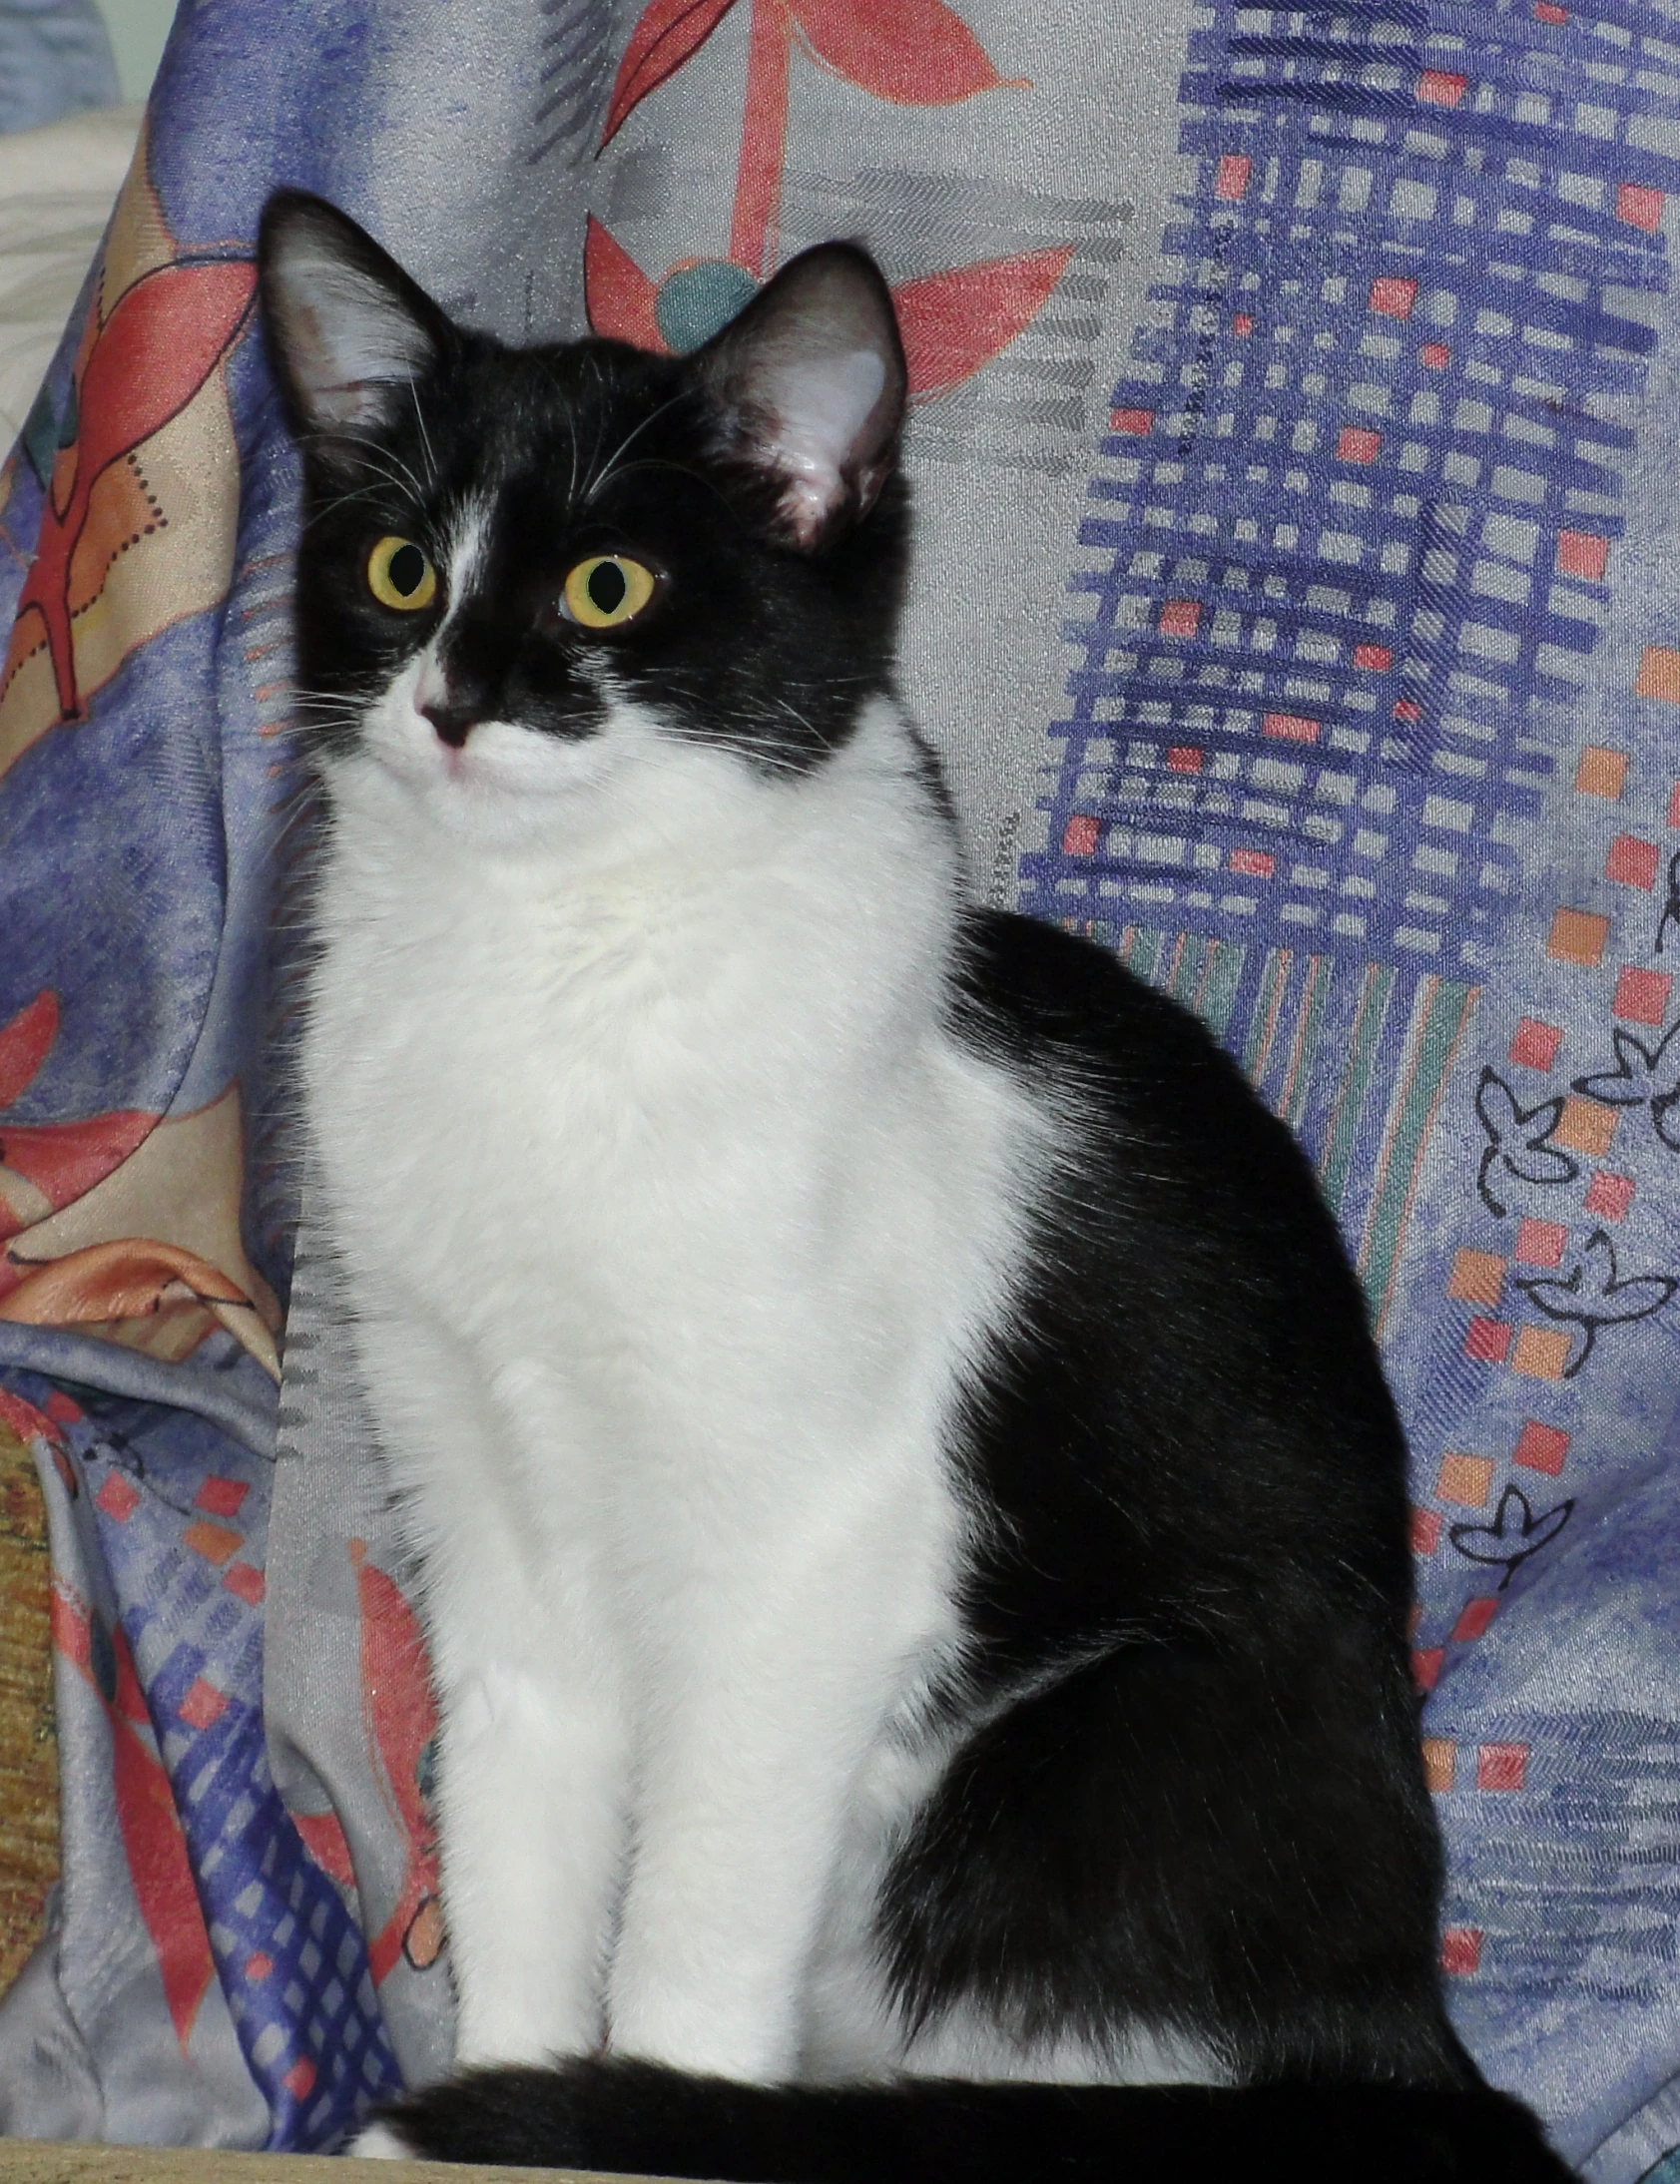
(1191, 1389)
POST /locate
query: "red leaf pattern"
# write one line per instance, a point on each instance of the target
(402, 1717)
(953, 323)
(913, 52)
(667, 32)
(147, 1819)
(24, 1043)
(165, 336)
(617, 293)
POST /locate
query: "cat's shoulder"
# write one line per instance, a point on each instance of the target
(1037, 988)
(1125, 1065)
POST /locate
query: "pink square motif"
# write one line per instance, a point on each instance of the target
(1640, 207)
(1461, 1952)
(1184, 758)
(1540, 1243)
(1425, 1532)
(117, 1498)
(245, 1581)
(203, 1705)
(1473, 1618)
(1641, 996)
(1542, 1448)
(1631, 862)
(1487, 1341)
(1180, 617)
(1502, 1766)
(1535, 1044)
(1610, 1196)
(220, 1496)
(1081, 835)
(1393, 296)
(1435, 87)
(1583, 554)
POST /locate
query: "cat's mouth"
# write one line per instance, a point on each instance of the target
(496, 779)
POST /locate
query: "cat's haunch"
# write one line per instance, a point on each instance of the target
(912, 1523)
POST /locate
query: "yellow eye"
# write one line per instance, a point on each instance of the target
(400, 576)
(607, 589)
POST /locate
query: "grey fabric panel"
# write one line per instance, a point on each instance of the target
(330, 1492)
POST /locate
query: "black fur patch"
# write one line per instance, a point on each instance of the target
(638, 2118)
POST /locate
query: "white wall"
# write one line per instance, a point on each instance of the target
(138, 29)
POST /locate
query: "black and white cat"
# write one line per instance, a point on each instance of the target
(912, 1520)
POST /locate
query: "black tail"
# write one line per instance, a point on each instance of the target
(645, 2120)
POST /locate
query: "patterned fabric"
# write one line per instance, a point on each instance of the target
(55, 59)
(1293, 454)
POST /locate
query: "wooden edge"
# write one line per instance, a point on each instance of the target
(36, 2161)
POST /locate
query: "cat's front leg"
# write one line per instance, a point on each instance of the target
(533, 1750)
(774, 1694)
(531, 1795)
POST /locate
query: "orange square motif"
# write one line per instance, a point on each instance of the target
(1465, 1479)
(1585, 1126)
(1478, 1277)
(1659, 673)
(1601, 771)
(1440, 1758)
(1541, 1352)
(214, 1541)
(1577, 936)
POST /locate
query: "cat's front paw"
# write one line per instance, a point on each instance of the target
(378, 2142)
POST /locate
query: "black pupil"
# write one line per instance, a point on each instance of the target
(406, 570)
(607, 586)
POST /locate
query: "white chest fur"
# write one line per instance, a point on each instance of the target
(670, 1213)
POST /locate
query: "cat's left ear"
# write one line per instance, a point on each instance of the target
(810, 384)
(349, 331)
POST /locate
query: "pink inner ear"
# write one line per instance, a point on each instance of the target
(348, 341)
(821, 440)
(807, 502)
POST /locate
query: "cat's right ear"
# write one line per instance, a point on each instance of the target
(349, 331)
(808, 389)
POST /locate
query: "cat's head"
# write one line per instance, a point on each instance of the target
(519, 567)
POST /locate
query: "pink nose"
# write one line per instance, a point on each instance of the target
(454, 723)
